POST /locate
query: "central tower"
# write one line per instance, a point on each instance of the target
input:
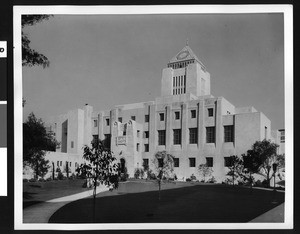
(185, 74)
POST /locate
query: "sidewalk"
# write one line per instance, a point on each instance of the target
(41, 212)
(276, 215)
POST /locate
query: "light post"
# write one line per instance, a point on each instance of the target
(274, 165)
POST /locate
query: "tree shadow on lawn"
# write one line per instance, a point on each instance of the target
(196, 204)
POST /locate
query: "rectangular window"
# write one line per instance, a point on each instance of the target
(229, 133)
(176, 136)
(192, 162)
(282, 136)
(107, 122)
(177, 115)
(160, 162)
(120, 119)
(210, 112)
(161, 116)
(193, 114)
(209, 161)
(137, 146)
(193, 135)
(133, 117)
(72, 144)
(146, 118)
(210, 134)
(58, 163)
(138, 133)
(107, 140)
(176, 162)
(146, 134)
(227, 162)
(95, 123)
(146, 147)
(161, 137)
(70, 164)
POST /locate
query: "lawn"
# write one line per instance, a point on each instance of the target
(36, 192)
(137, 202)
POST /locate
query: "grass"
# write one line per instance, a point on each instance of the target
(137, 202)
(36, 192)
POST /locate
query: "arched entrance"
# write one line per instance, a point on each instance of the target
(122, 166)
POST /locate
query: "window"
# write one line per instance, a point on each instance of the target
(70, 164)
(193, 114)
(146, 134)
(72, 144)
(138, 133)
(133, 117)
(120, 119)
(177, 115)
(192, 162)
(160, 162)
(107, 140)
(282, 136)
(210, 134)
(176, 162)
(137, 146)
(145, 162)
(193, 135)
(58, 163)
(161, 116)
(210, 112)
(176, 136)
(161, 137)
(228, 133)
(146, 118)
(95, 123)
(107, 122)
(146, 147)
(227, 162)
(209, 161)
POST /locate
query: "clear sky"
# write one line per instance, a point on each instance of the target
(111, 60)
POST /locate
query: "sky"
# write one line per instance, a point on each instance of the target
(118, 59)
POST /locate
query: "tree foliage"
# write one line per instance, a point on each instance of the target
(267, 152)
(235, 167)
(204, 170)
(102, 166)
(36, 141)
(252, 164)
(164, 167)
(30, 57)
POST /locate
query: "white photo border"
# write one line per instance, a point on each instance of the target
(287, 10)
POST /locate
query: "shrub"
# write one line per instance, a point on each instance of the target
(152, 176)
(25, 180)
(265, 183)
(137, 173)
(193, 177)
(188, 180)
(49, 179)
(212, 180)
(32, 180)
(124, 176)
(60, 176)
(42, 180)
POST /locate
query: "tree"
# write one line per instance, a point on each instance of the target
(164, 166)
(31, 57)
(36, 141)
(204, 170)
(101, 168)
(252, 164)
(235, 167)
(267, 152)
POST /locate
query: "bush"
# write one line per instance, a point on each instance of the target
(60, 176)
(25, 180)
(188, 180)
(193, 177)
(212, 180)
(33, 180)
(42, 180)
(265, 184)
(137, 173)
(49, 179)
(124, 176)
(152, 176)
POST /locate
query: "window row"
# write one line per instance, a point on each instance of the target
(192, 162)
(181, 64)
(179, 84)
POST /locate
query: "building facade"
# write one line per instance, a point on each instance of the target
(186, 121)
